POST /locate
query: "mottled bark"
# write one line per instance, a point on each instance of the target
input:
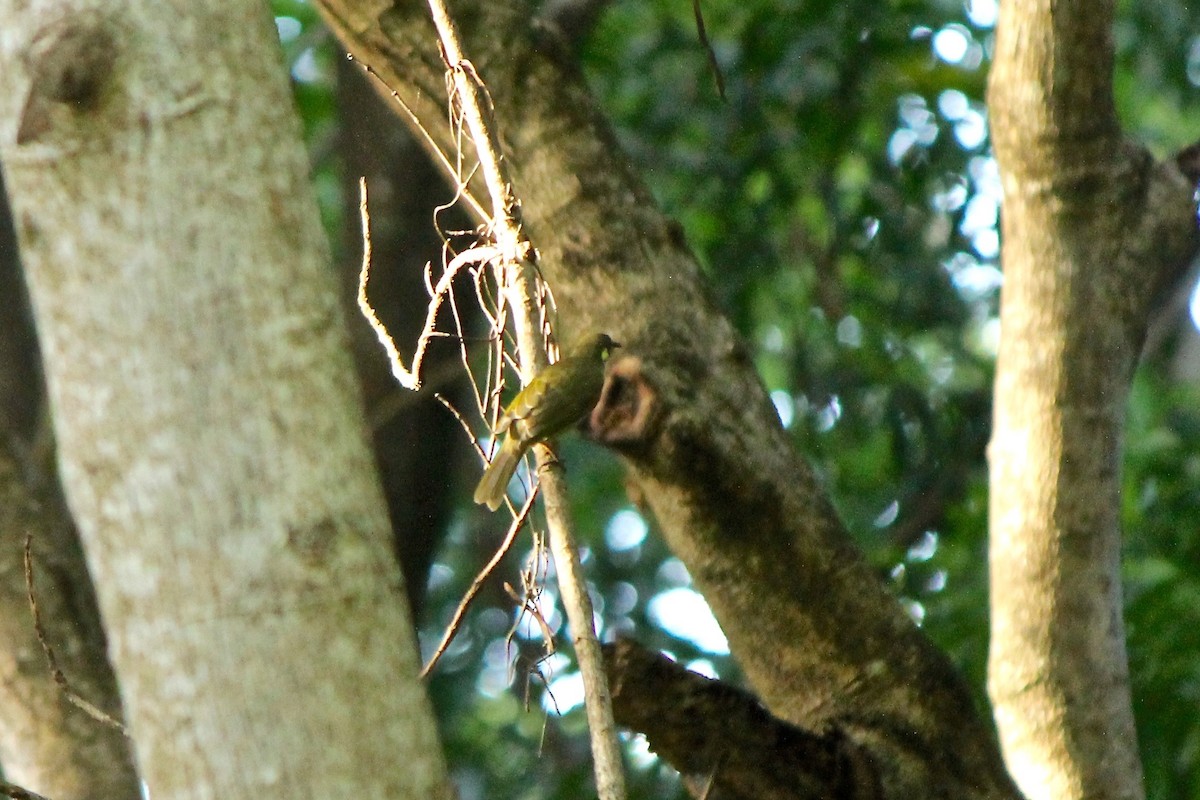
(47, 744)
(821, 640)
(1093, 228)
(723, 739)
(210, 433)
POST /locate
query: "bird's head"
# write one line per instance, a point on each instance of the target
(601, 345)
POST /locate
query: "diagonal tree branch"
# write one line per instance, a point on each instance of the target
(706, 728)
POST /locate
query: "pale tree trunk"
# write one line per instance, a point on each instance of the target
(210, 434)
(1093, 228)
(47, 744)
(821, 640)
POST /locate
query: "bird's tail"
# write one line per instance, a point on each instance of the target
(494, 484)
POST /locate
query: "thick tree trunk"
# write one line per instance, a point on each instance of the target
(210, 434)
(47, 744)
(821, 640)
(1092, 229)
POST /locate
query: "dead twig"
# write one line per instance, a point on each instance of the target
(709, 51)
(430, 142)
(51, 659)
(15, 792)
(525, 294)
(410, 379)
(477, 584)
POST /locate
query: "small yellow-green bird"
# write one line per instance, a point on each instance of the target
(555, 399)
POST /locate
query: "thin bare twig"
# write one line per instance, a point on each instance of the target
(532, 581)
(410, 379)
(15, 792)
(519, 285)
(461, 421)
(430, 142)
(462, 340)
(51, 659)
(477, 584)
(529, 605)
(708, 49)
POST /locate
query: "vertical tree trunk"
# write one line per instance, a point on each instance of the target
(211, 437)
(1091, 229)
(47, 744)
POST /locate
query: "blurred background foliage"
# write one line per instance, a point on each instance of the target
(845, 204)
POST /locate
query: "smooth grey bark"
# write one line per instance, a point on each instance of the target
(820, 638)
(210, 433)
(1093, 230)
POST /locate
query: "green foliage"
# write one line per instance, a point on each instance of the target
(310, 55)
(1162, 505)
(844, 203)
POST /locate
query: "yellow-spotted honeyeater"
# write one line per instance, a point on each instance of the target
(555, 399)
